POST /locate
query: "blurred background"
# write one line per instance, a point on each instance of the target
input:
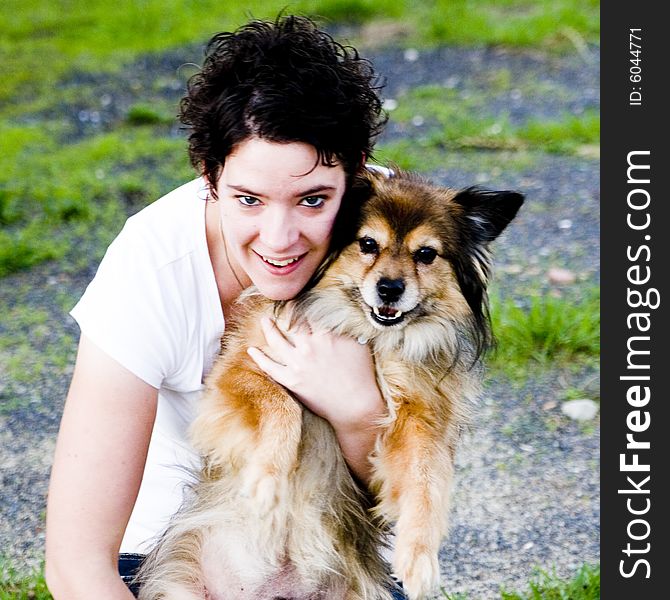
(503, 94)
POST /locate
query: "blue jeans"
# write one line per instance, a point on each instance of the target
(398, 593)
(129, 564)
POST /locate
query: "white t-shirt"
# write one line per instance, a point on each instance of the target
(154, 307)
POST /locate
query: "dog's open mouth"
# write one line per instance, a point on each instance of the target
(386, 315)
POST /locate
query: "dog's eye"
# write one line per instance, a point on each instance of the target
(425, 255)
(368, 245)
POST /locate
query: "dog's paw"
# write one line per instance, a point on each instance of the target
(261, 489)
(418, 570)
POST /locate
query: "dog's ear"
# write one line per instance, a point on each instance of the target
(482, 216)
(487, 212)
(362, 185)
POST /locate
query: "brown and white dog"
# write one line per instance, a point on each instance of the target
(276, 513)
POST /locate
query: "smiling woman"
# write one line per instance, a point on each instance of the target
(281, 119)
(276, 211)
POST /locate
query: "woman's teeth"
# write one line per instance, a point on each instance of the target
(280, 263)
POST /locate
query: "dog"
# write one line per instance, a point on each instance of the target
(276, 513)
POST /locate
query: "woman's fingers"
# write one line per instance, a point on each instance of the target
(266, 364)
(275, 337)
(277, 359)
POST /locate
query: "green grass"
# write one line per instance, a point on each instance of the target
(148, 114)
(21, 586)
(75, 187)
(585, 585)
(513, 22)
(424, 156)
(449, 121)
(42, 39)
(567, 135)
(550, 329)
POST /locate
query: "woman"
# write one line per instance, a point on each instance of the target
(281, 118)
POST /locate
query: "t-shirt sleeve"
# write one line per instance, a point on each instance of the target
(123, 310)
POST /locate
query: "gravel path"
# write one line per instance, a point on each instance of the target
(527, 490)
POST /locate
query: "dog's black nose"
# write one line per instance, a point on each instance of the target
(390, 290)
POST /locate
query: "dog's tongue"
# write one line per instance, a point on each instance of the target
(387, 311)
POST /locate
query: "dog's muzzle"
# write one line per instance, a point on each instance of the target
(389, 291)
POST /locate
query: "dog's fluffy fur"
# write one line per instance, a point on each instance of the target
(276, 513)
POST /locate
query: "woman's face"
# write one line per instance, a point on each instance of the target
(277, 213)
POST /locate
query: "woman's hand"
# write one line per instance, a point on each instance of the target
(334, 377)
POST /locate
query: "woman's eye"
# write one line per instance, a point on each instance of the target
(248, 200)
(313, 201)
(368, 245)
(425, 255)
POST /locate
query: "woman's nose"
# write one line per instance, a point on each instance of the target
(278, 231)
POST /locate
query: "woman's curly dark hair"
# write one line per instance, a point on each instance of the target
(283, 81)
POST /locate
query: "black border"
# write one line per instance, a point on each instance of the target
(627, 128)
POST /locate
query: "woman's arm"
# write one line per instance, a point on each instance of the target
(334, 377)
(100, 454)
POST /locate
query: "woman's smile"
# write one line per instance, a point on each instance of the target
(282, 266)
